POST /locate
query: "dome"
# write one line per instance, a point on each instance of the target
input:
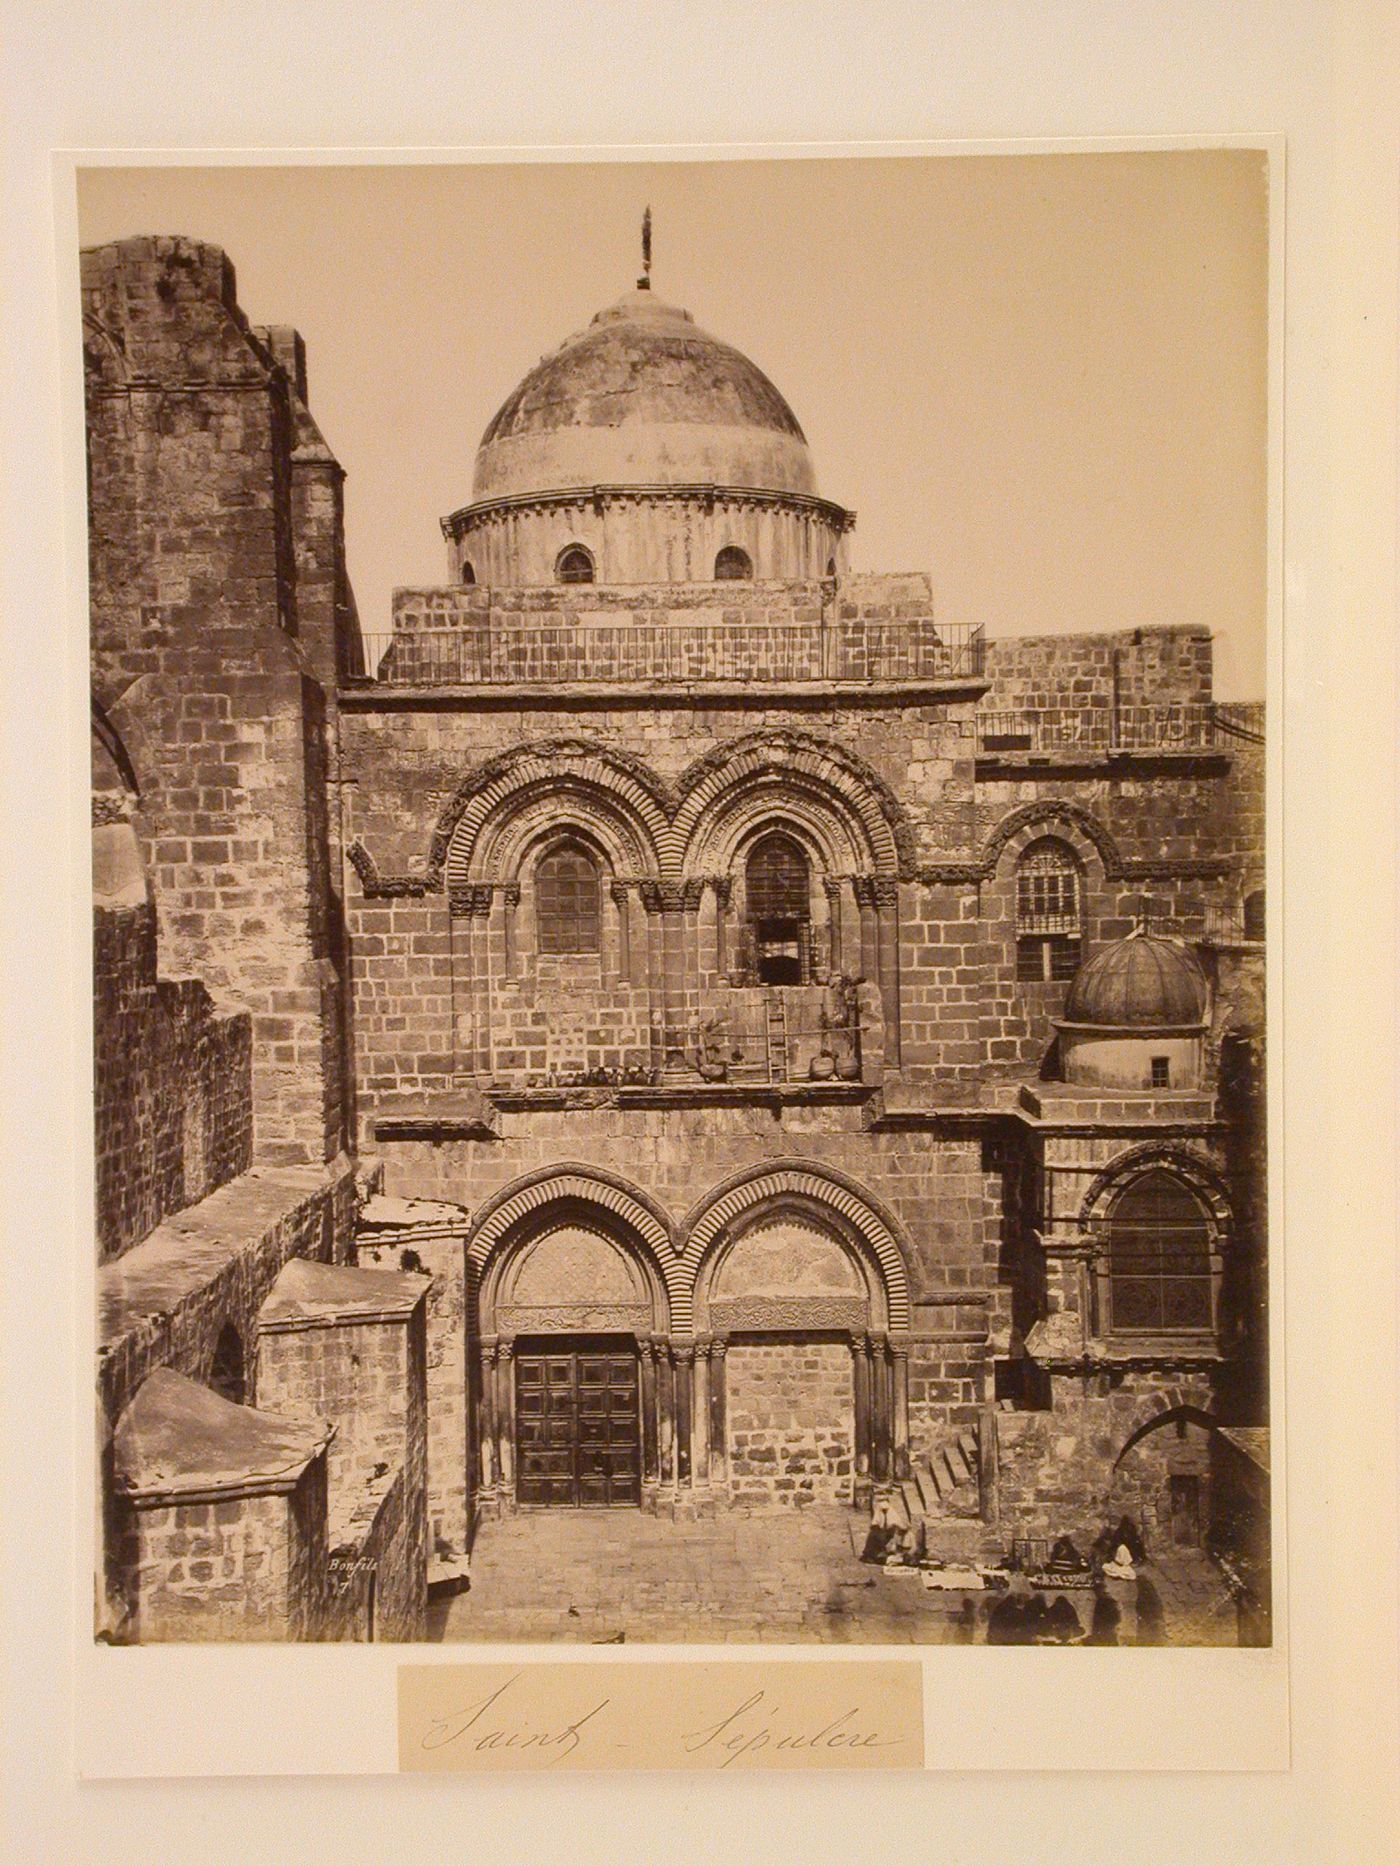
(643, 397)
(1139, 983)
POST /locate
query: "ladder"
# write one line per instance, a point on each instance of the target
(777, 1038)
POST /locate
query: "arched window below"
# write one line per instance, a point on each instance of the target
(226, 1375)
(1254, 915)
(779, 903)
(1159, 1258)
(568, 913)
(574, 565)
(733, 565)
(468, 570)
(1049, 927)
(831, 566)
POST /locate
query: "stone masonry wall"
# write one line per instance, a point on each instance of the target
(790, 1409)
(193, 577)
(247, 1568)
(172, 1085)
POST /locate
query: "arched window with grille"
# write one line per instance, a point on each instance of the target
(574, 565)
(778, 891)
(468, 571)
(226, 1374)
(568, 910)
(1160, 1274)
(733, 564)
(1049, 912)
(1254, 915)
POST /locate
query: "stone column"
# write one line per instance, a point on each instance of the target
(899, 1372)
(887, 909)
(700, 1417)
(509, 896)
(486, 1418)
(879, 1410)
(471, 1016)
(684, 1353)
(719, 1447)
(860, 1367)
(832, 887)
(651, 1466)
(864, 889)
(505, 1418)
(722, 888)
(624, 932)
(665, 1412)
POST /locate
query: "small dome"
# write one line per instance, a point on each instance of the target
(1140, 983)
(643, 396)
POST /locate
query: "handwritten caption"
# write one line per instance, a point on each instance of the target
(704, 1714)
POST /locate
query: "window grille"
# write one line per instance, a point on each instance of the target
(1159, 1258)
(1161, 1072)
(575, 565)
(732, 564)
(1048, 913)
(1254, 914)
(568, 914)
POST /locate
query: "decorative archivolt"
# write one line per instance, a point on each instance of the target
(837, 794)
(587, 1195)
(820, 1190)
(649, 832)
(562, 1185)
(1191, 1167)
(1077, 827)
(615, 791)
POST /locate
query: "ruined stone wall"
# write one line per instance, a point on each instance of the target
(172, 1085)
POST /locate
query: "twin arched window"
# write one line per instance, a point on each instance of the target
(1049, 912)
(733, 565)
(574, 565)
(568, 901)
(1159, 1258)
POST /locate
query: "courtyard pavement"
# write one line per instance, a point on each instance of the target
(617, 1576)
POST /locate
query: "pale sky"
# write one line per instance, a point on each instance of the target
(1042, 379)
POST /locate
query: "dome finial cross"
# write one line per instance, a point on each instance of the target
(644, 282)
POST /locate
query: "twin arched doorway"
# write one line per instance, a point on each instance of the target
(608, 1369)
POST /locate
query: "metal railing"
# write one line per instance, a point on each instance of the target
(1185, 725)
(487, 655)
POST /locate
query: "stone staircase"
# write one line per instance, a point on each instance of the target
(945, 1494)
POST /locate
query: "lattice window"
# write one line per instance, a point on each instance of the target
(1159, 1258)
(1254, 914)
(568, 912)
(574, 565)
(733, 565)
(1048, 913)
(778, 889)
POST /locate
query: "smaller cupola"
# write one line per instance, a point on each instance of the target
(1135, 1017)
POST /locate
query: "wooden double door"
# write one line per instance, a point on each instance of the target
(578, 1421)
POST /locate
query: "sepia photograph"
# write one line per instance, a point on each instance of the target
(678, 900)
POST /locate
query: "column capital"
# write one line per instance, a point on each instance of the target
(886, 890)
(722, 887)
(509, 892)
(683, 1352)
(474, 898)
(863, 887)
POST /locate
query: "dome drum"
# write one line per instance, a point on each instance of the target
(647, 534)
